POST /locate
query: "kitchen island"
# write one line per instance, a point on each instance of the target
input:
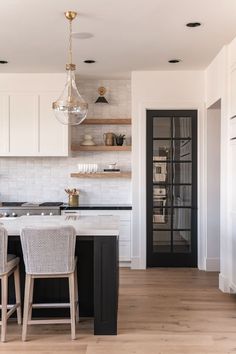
(98, 271)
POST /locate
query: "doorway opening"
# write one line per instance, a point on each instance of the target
(212, 261)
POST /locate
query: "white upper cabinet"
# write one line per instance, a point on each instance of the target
(53, 136)
(233, 92)
(4, 124)
(28, 126)
(232, 78)
(23, 124)
(215, 78)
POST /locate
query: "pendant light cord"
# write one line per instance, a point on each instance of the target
(70, 62)
(70, 43)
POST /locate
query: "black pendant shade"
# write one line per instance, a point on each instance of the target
(101, 99)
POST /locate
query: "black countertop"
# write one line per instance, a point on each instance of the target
(97, 207)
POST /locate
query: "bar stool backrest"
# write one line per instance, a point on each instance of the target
(3, 249)
(48, 250)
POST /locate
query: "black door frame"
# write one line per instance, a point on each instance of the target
(178, 259)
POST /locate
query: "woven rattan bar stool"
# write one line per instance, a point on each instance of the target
(49, 253)
(9, 264)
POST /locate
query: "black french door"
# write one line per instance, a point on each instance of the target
(172, 188)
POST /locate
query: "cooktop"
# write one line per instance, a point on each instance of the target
(11, 204)
(31, 205)
(51, 204)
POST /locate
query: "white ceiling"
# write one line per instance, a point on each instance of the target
(127, 34)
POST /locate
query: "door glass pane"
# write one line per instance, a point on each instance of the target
(182, 150)
(161, 150)
(182, 195)
(181, 241)
(162, 127)
(162, 172)
(161, 218)
(182, 127)
(162, 196)
(182, 218)
(182, 172)
(161, 241)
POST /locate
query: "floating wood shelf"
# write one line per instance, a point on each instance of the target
(75, 147)
(102, 175)
(110, 121)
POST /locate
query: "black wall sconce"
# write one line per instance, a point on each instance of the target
(101, 98)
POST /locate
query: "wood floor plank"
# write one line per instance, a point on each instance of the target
(161, 311)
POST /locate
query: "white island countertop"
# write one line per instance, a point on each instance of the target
(84, 225)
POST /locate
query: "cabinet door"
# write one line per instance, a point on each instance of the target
(23, 124)
(4, 125)
(124, 251)
(124, 241)
(124, 215)
(125, 231)
(233, 93)
(53, 136)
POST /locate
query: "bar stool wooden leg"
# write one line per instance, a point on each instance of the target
(17, 291)
(4, 306)
(31, 298)
(76, 297)
(26, 306)
(72, 303)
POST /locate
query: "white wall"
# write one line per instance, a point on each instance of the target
(215, 76)
(213, 188)
(32, 82)
(230, 251)
(221, 84)
(163, 90)
(216, 90)
(44, 179)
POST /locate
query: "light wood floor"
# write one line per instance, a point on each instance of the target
(161, 311)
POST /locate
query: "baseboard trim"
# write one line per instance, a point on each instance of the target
(136, 263)
(212, 264)
(126, 264)
(224, 284)
(232, 288)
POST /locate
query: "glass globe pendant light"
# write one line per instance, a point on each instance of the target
(70, 108)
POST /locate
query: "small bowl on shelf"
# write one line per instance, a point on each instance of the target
(88, 140)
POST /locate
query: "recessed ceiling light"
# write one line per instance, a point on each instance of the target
(89, 61)
(174, 61)
(193, 24)
(82, 35)
(3, 62)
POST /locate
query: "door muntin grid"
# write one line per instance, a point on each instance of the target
(172, 176)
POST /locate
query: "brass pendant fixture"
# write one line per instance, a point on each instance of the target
(101, 98)
(70, 108)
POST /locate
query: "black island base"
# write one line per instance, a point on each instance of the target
(98, 281)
